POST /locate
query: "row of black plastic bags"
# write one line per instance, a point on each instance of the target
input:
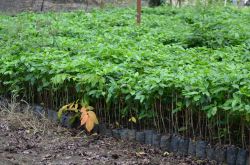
(230, 155)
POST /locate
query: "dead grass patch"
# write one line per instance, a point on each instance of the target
(19, 115)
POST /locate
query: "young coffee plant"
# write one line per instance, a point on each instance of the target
(184, 70)
(86, 114)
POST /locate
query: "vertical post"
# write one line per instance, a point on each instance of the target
(138, 20)
(42, 6)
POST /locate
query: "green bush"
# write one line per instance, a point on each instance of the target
(184, 62)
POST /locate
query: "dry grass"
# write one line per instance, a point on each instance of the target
(20, 115)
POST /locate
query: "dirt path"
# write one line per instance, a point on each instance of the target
(26, 140)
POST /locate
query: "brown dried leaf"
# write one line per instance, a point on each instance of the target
(89, 125)
(84, 118)
(83, 110)
(93, 117)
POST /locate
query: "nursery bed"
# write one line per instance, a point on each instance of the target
(27, 140)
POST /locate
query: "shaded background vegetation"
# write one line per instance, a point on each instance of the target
(13, 6)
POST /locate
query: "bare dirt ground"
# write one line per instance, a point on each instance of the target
(25, 139)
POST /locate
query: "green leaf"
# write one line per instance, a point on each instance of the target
(59, 78)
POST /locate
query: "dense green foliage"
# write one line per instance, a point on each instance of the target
(201, 56)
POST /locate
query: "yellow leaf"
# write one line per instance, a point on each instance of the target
(117, 124)
(93, 117)
(89, 125)
(65, 106)
(71, 105)
(61, 110)
(76, 106)
(90, 108)
(132, 119)
(165, 153)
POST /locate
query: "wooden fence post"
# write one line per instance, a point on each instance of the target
(138, 20)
